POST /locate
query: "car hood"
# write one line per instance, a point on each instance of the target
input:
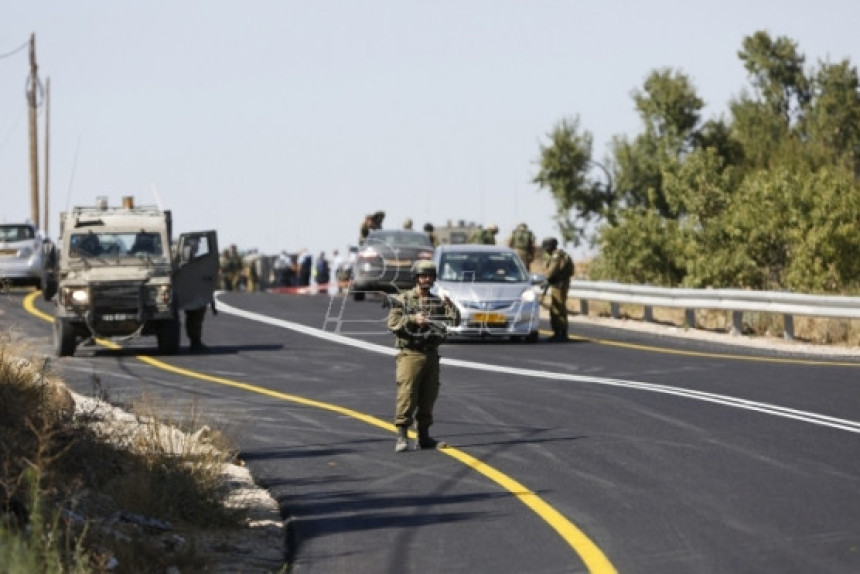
(469, 291)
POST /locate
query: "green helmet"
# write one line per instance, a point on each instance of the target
(550, 244)
(423, 267)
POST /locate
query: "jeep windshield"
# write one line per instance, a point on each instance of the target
(107, 246)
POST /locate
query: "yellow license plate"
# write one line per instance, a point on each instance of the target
(8, 251)
(489, 317)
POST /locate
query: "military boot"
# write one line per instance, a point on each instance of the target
(425, 441)
(402, 443)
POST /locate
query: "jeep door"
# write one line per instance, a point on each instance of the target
(196, 269)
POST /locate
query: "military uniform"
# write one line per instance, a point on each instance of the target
(523, 242)
(559, 269)
(417, 363)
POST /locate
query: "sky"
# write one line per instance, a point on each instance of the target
(282, 123)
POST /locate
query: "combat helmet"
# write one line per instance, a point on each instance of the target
(423, 268)
(549, 244)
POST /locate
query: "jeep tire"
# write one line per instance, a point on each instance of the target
(169, 334)
(64, 337)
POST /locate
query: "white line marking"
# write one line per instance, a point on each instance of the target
(766, 408)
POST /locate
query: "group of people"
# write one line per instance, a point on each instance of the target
(302, 269)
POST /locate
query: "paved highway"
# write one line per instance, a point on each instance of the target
(616, 452)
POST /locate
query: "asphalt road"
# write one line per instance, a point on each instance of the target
(615, 452)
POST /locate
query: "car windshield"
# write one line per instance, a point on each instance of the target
(9, 233)
(481, 267)
(401, 238)
(127, 244)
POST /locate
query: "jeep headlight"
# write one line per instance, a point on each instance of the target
(159, 295)
(75, 296)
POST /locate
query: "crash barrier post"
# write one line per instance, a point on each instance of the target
(737, 301)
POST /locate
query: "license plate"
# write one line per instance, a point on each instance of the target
(8, 251)
(119, 317)
(489, 317)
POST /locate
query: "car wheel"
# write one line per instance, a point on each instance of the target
(358, 295)
(64, 338)
(168, 335)
(532, 337)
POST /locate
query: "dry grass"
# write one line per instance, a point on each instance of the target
(79, 493)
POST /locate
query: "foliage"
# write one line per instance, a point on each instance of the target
(56, 467)
(767, 199)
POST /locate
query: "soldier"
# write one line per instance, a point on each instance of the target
(559, 269)
(523, 242)
(419, 320)
(483, 236)
(196, 312)
(378, 218)
(233, 269)
(366, 226)
(431, 233)
(490, 234)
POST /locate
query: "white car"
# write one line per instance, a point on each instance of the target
(20, 254)
(492, 289)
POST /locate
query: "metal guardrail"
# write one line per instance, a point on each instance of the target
(735, 300)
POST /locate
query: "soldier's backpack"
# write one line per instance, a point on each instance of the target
(522, 239)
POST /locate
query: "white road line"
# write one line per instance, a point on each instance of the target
(766, 408)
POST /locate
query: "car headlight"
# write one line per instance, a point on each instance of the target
(75, 296)
(25, 252)
(529, 295)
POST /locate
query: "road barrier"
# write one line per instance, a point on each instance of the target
(737, 301)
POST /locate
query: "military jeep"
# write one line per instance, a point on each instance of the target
(117, 275)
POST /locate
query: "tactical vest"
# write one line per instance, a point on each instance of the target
(431, 336)
(522, 239)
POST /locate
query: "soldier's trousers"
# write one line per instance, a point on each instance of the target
(194, 324)
(558, 310)
(417, 376)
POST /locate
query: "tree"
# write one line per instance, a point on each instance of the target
(564, 166)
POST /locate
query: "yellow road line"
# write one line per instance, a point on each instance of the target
(593, 558)
(707, 355)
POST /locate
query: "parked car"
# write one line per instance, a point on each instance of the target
(384, 262)
(21, 254)
(493, 290)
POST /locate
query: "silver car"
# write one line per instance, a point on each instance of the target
(493, 290)
(20, 254)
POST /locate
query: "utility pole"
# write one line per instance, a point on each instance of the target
(47, 194)
(34, 149)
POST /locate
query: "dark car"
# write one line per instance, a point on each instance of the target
(384, 262)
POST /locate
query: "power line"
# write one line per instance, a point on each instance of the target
(15, 51)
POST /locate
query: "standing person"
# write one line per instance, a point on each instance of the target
(366, 226)
(195, 312)
(489, 237)
(305, 266)
(338, 264)
(231, 268)
(322, 270)
(431, 233)
(559, 269)
(523, 242)
(284, 270)
(418, 320)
